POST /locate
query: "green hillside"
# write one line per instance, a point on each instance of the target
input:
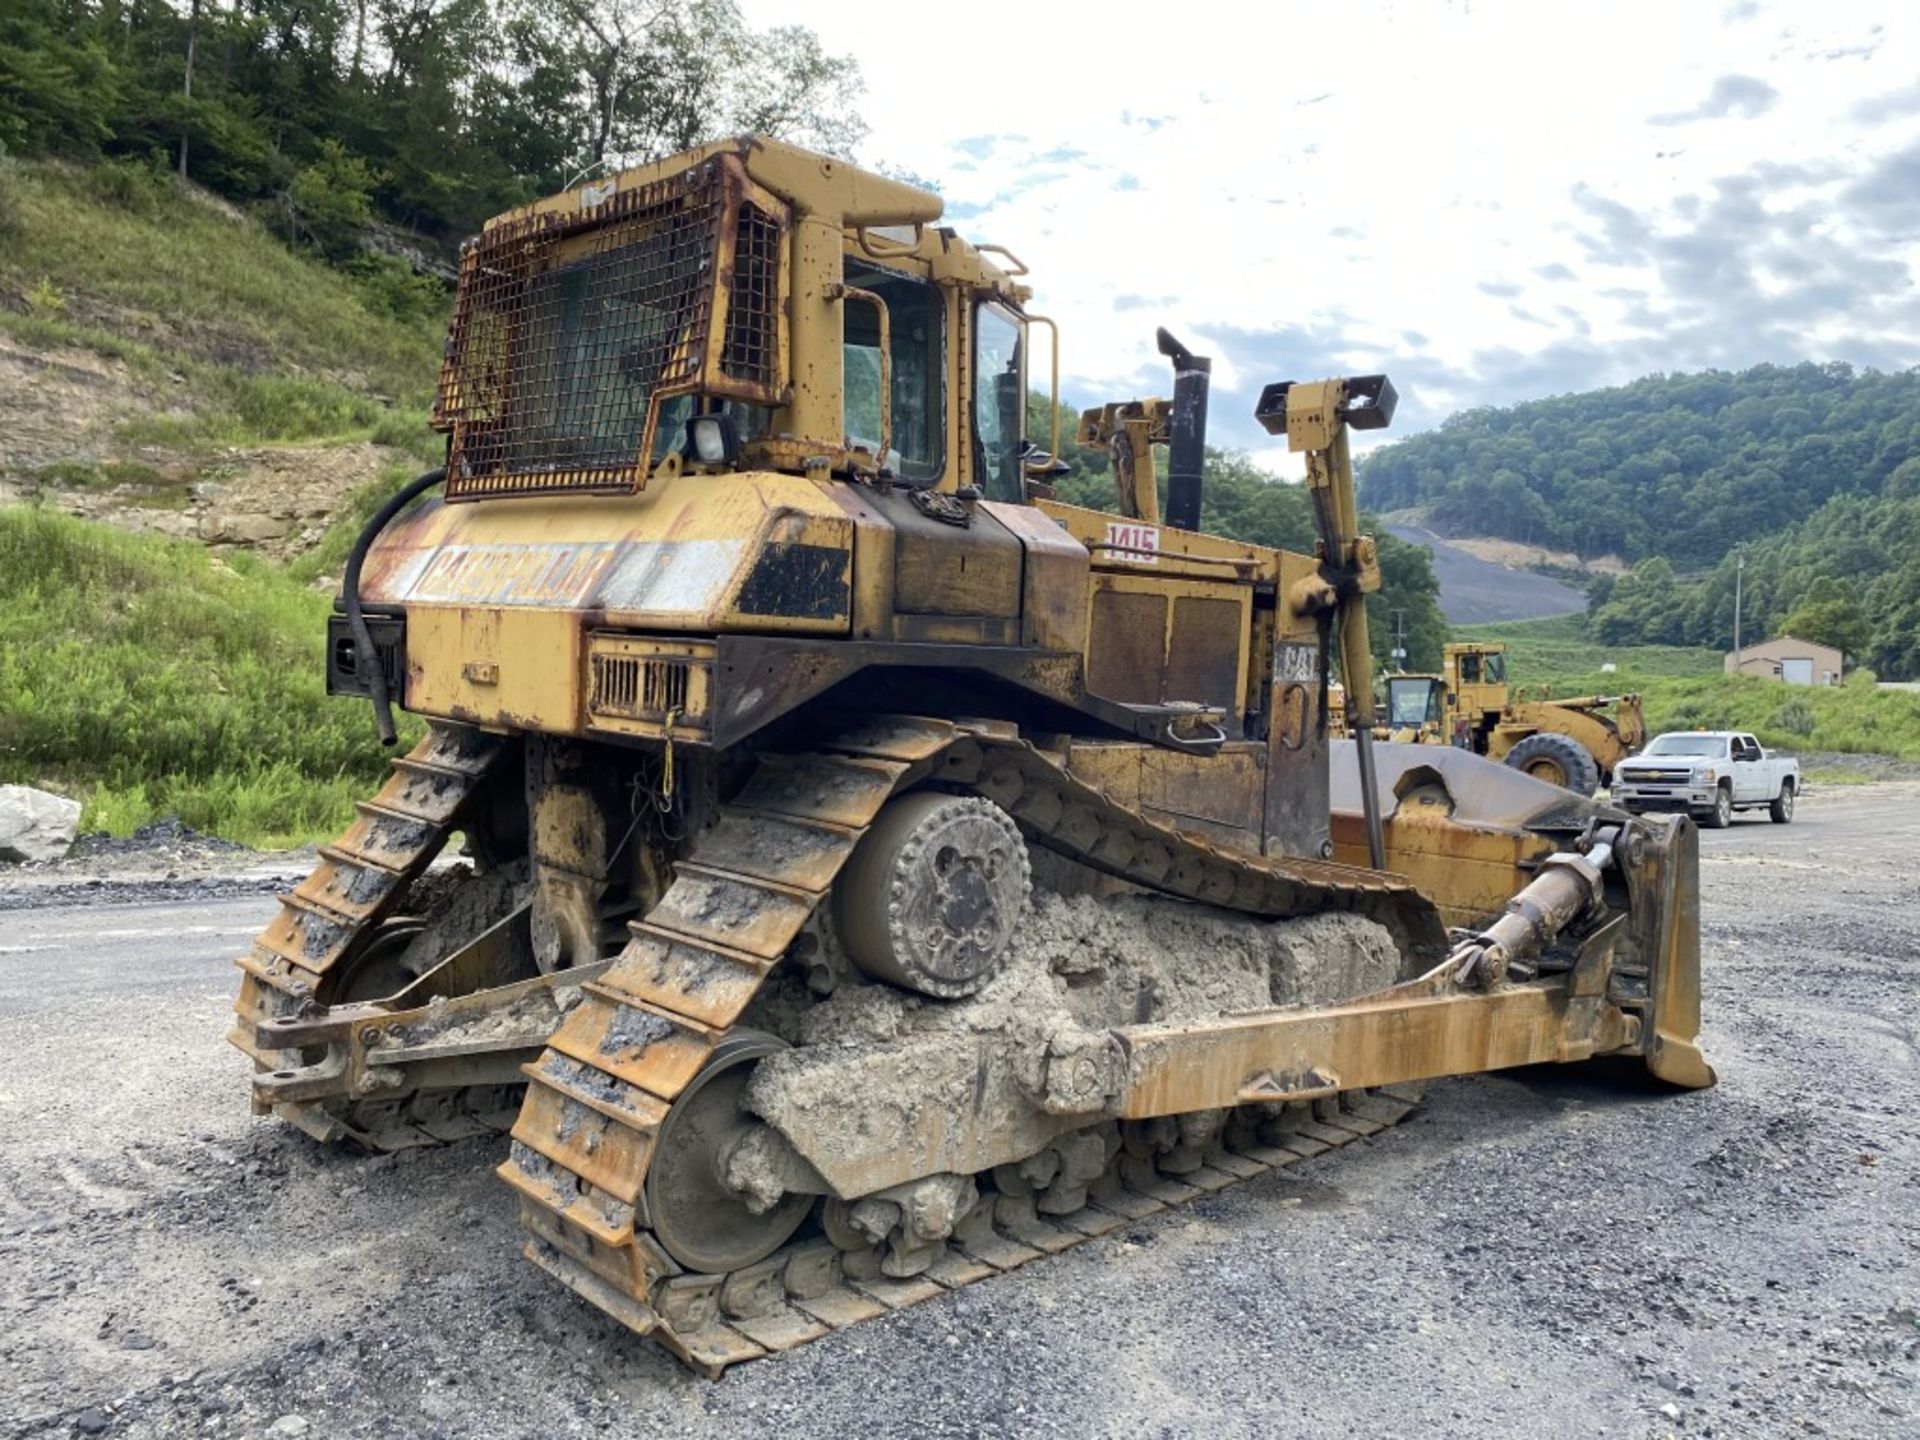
(1680, 466)
(149, 679)
(1812, 470)
(142, 675)
(239, 338)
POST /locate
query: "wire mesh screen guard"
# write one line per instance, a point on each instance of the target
(570, 330)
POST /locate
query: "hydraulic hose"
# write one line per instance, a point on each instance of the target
(366, 661)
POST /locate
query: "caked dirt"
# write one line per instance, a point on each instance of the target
(1556, 1251)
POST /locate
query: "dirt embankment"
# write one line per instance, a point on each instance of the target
(1514, 555)
(62, 411)
(1507, 554)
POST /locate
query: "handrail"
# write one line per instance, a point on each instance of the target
(1053, 392)
(845, 292)
(919, 237)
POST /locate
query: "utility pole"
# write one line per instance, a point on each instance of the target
(1739, 574)
(1399, 652)
(186, 88)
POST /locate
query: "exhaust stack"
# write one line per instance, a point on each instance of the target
(1186, 432)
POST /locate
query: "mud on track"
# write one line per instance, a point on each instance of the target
(1533, 1253)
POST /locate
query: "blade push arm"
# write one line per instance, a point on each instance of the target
(1315, 417)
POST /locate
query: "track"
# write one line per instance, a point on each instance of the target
(598, 1098)
(361, 877)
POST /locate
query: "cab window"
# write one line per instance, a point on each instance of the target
(999, 402)
(916, 320)
(1496, 669)
(1469, 669)
(1412, 702)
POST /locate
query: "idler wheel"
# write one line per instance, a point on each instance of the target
(698, 1218)
(380, 969)
(930, 898)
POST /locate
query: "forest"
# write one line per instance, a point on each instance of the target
(369, 129)
(1806, 475)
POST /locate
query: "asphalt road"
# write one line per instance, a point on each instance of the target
(1474, 591)
(1545, 1253)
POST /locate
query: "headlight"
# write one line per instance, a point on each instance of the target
(712, 440)
(1709, 775)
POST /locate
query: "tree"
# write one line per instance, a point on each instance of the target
(1830, 615)
(459, 108)
(58, 85)
(331, 200)
(652, 76)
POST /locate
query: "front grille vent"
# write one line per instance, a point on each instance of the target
(648, 682)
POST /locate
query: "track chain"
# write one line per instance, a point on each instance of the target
(597, 1097)
(357, 883)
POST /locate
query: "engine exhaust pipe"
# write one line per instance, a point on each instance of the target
(1186, 432)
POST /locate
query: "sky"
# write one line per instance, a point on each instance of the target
(1491, 200)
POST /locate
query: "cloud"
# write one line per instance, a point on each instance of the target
(1623, 234)
(1887, 197)
(1893, 104)
(1742, 95)
(1776, 219)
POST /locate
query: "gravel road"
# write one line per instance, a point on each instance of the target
(1550, 1252)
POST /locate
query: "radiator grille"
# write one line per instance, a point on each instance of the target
(639, 688)
(569, 328)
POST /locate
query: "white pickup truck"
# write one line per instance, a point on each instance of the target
(1709, 774)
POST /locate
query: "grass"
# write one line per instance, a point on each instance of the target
(136, 673)
(1684, 688)
(266, 344)
(141, 677)
(1559, 652)
(1834, 775)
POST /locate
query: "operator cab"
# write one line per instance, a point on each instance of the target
(1414, 701)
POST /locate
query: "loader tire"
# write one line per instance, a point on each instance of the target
(1559, 761)
(1782, 807)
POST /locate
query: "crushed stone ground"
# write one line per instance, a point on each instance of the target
(1548, 1252)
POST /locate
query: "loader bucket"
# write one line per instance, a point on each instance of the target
(1471, 832)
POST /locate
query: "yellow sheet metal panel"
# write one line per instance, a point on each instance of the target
(758, 550)
(1053, 598)
(1121, 544)
(1219, 795)
(496, 666)
(1159, 638)
(946, 569)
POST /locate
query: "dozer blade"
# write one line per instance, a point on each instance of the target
(1468, 831)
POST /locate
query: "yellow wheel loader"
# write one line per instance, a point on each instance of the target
(871, 877)
(1572, 743)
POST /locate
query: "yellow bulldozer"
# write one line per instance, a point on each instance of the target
(1574, 743)
(844, 873)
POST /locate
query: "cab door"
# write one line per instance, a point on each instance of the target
(1749, 771)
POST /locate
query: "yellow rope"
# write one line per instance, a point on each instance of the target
(666, 777)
